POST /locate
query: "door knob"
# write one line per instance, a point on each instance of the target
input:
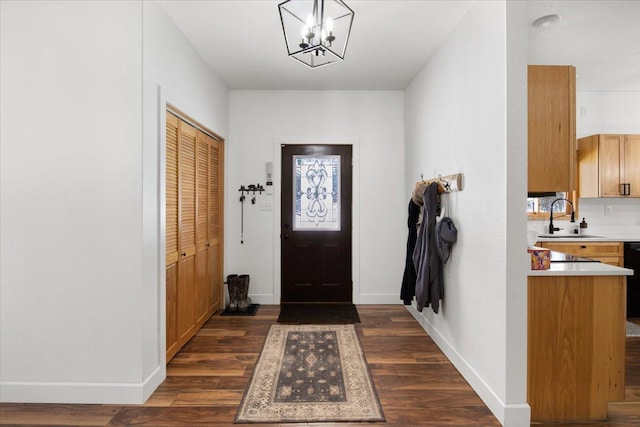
(286, 236)
(184, 254)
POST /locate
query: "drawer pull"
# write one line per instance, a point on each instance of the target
(583, 247)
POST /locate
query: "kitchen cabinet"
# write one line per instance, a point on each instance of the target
(552, 154)
(609, 166)
(606, 252)
(193, 230)
(576, 346)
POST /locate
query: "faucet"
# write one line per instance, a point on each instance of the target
(573, 215)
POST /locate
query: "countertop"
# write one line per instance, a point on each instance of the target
(599, 234)
(582, 269)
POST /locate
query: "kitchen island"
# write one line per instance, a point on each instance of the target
(576, 340)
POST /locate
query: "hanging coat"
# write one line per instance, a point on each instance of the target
(429, 285)
(409, 279)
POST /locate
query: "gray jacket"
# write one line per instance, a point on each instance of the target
(429, 283)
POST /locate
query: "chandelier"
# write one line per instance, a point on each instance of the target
(316, 31)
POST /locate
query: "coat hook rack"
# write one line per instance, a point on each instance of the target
(251, 188)
(446, 184)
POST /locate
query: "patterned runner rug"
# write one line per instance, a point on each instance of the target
(310, 373)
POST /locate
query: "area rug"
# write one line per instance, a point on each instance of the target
(318, 314)
(310, 373)
(633, 330)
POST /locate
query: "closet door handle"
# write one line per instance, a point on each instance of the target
(184, 254)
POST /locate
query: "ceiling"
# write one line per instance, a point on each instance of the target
(600, 38)
(242, 42)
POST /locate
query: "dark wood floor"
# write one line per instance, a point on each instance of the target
(416, 384)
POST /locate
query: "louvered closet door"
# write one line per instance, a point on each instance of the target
(171, 234)
(202, 227)
(187, 227)
(216, 162)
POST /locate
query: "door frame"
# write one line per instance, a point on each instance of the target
(355, 208)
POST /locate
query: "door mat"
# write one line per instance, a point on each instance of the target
(310, 373)
(318, 314)
(633, 330)
(251, 311)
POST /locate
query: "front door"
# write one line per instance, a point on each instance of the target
(315, 227)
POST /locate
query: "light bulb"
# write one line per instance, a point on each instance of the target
(310, 21)
(323, 34)
(304, 31)
(328, 24)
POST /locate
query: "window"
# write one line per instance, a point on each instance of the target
(539, 207)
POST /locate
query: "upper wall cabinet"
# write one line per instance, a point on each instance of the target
(552, 128)
(609, 166)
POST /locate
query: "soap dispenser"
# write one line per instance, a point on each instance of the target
(583, 226)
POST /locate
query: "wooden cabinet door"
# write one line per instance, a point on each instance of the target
(609, 165)
(551, 128)
(187, 224)
(202, 227)
(216, 173)
(588, 164)
(631, 163)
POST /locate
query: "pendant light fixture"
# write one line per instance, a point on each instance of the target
(316, 31)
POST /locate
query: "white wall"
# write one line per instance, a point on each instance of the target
(81, 284)
(173, 72)
(71, 191)
(607, 112)
(371, 120)
(465, 112)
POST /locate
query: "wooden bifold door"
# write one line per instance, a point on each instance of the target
(193, 229)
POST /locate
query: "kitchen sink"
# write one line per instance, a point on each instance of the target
(568, 236)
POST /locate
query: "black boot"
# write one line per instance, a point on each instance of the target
(244, 302)
(232, 284)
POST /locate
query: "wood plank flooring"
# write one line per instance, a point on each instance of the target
(416, 384)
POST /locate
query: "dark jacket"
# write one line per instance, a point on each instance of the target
(429, 285)
(408, 289)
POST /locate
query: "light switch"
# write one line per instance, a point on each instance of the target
(266, 205)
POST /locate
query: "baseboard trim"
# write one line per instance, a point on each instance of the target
(85, 393)
(153, 381)
(509, 415)
(387, 299)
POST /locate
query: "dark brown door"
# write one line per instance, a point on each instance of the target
(316, 223)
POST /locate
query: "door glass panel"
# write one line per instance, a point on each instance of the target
(316, 183)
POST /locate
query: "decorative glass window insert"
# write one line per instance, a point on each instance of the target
(316, 193)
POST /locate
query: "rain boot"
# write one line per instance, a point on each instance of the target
(244, 302)
(232, 284)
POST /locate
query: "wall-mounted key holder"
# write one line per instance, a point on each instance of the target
(251, 188)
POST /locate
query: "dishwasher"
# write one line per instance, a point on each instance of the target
(632, 261)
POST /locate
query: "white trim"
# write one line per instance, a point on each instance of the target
(163, 100)
(155, 379)
(509, 415)
(355, 208)
(83, 393)
(389, 299)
